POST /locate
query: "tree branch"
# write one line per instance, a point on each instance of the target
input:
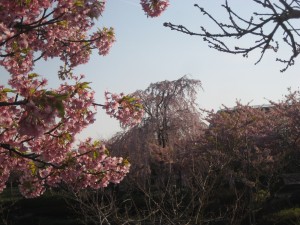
(257, 26)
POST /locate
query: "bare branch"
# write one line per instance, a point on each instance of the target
(23, 102)
(258, 26)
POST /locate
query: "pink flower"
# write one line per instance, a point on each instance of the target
(154, 8)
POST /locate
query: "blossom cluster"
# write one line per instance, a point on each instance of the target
(57, 28)
(154, 8)
(104, 40)
(127, 109)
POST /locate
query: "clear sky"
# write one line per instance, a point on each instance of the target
(147, 52)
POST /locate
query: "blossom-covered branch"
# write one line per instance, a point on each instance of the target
(38, 125)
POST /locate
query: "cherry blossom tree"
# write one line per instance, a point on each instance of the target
(171, 124)
(38, 125)
(259, 143)
(170, 107)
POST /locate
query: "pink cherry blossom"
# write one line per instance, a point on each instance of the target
(127, 109)
(38, 124)
(154, 8)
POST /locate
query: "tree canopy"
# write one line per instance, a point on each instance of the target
(38, 125)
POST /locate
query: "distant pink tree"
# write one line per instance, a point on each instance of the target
(38, 125)
(257, 140)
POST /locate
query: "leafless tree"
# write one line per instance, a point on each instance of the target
(274, 23)
(92, 206)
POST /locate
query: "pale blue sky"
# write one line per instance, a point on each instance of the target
(147, 52)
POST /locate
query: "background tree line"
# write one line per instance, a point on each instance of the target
(191, 166)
